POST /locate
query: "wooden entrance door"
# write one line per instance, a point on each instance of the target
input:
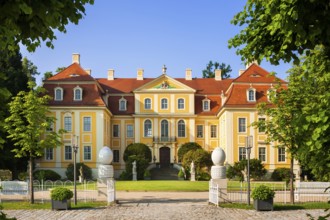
(165, 156)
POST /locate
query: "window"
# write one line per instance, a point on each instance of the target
(147, 103)
(164, 128)
(180, 103)
(68, 153)
(50, 127)
(122, 104)
(213, 131)
(181, 129)
(87, 153)
(242, 153)
(200, 131)
(242, 125)
(116, 156)
(147, 128)
(206, 105)
(49, 154)
(164, 104)
(271, 93)
(58, 96)
(262, 154)
(68, 123)
(129, 131)
(281, 154)
(115, 131)
(251, 95)
(261, 128)
(87, 124)
(77, 94)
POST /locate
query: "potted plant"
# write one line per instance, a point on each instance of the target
(61, 198)
(263, 198)
(147, 175)
(181, 175)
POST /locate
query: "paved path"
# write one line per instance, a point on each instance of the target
(160, 205)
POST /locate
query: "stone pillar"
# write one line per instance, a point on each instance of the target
(218, 172)
(106, 174)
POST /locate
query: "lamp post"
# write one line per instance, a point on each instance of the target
(249, 144)
(75, 150)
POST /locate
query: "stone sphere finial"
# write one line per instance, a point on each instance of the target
(218, 156)
(105, 155)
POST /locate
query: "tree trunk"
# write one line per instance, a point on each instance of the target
(291, 181)
(31, 180)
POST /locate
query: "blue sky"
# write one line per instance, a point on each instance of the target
(127, 35)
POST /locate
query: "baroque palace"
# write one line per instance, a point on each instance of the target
(162, 112)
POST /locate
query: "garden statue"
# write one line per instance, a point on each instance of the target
(192, 171)
(134, 171)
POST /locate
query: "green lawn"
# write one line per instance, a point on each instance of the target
(165, 186)
(236, 185)
(47, 205)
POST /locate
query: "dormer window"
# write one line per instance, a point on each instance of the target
(122, 104)
(58, 94)
(251, 94)
(206, 105)
(77, 94)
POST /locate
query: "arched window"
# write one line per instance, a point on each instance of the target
(164, 129)
(251, 95)
(181, 129)
(147, 103)
(77, 94)
(122, 104)
(164, 104)
(147, 128)
(206, 104)
(180, 103)
(58, 94)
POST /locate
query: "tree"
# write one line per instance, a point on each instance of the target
(211, 67)
(186, 147)
(281, 30)
(257, 169)
(27, 125)
(201, 158)
(33, 22)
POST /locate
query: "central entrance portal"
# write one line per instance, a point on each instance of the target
(165, 157)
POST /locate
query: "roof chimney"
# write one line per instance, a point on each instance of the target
(88, 71)
(240, 72)
(188, 74)
(139, 74)
(76, 58)
(111, 74)
(217, 75)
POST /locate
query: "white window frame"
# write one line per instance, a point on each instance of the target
(49, 154)
(262, 154)
(113, 130)
(146, 131)
(75, 90)
(181, 103)
(241, 153)
(67, 126)
(87, 152)
(56, 98)
(129, 132)
(213, 131)
(164, 103)
(147, 105)
(240, 130)
(85, 125)
(206, 105)
(251, 94)
(122, 107)
(281, 154)
(181, 130)
(198, 132)
(68, 152)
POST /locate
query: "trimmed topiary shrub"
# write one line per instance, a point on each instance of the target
(281, 174)
(61, 193)
(186, 147)
(46, 175)
(87, 171)
(201, 158)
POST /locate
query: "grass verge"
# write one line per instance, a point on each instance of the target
(279, 207)
(24, 205)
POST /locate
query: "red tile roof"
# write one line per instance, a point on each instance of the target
(74, 72)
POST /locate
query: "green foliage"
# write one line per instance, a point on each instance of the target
(281, 30)
(23, 176)
(181, 173)
(125, 176)
(61, 193)
(203, 176)
(147, 173)
(211, 67)
(3, 216)
(281, 174)
(140, 153)
(87, 171)
(46, 175)
(257, 170)
(33, 22)
(187, 147)
(201, 158)
(262, 192)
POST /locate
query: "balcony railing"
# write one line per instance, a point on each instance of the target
(164, 139)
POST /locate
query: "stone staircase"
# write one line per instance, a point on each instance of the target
(165, 173)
